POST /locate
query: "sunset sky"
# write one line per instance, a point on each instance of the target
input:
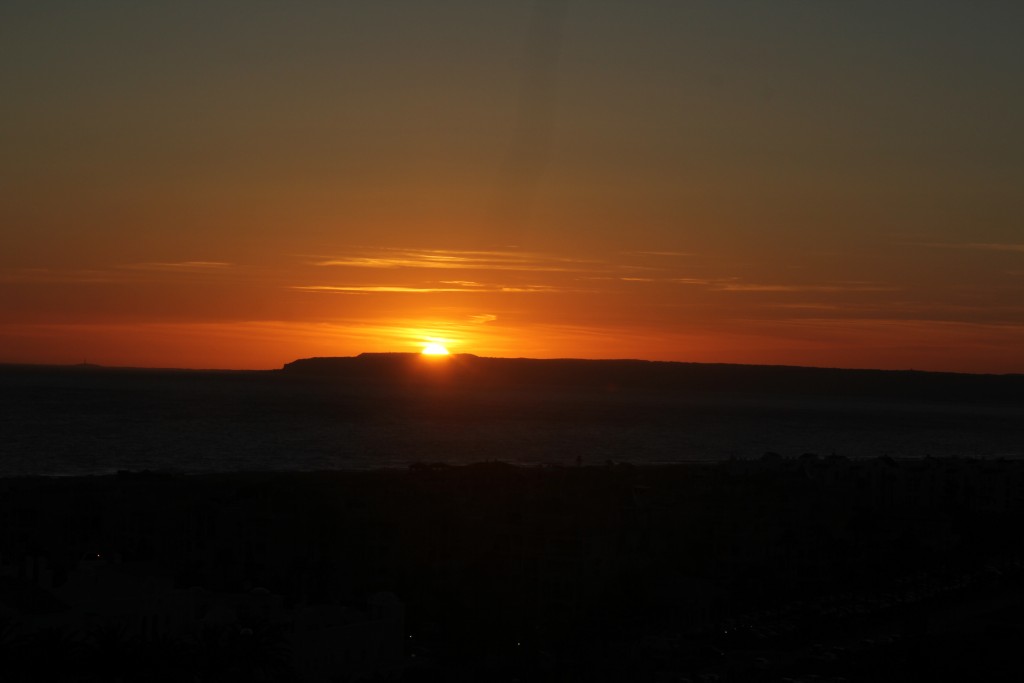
(239, 184)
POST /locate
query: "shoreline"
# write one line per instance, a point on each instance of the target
(769, 457)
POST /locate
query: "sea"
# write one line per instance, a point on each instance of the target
(90, 421)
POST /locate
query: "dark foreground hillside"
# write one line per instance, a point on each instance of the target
(763, 570)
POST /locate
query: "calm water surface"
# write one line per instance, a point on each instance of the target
(73, 422)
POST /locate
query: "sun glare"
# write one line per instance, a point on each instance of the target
(434, 349)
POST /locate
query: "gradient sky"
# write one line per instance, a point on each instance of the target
(239, 184)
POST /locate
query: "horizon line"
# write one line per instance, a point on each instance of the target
(442, 359)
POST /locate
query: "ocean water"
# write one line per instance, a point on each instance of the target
(59, 422)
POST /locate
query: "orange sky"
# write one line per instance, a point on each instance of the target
(192, 186)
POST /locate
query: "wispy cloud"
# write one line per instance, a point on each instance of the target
(923, 323)
(400, 289)
(756, 287)
(181, 266)
(56, 276)
(696, 280)
(117, 274)
(663, 253)
(450, 259)
(483, 318)
(672, 280)
(979, 246)
(808, 307)
(375, 289)
(735, 284)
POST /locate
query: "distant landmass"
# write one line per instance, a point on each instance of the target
(477, 372)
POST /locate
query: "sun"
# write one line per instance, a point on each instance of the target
(434, 349)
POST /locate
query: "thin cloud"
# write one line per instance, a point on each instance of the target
(999, 247)
(115, 274)
(180, 266)
(807, 307)
(670, 280)
(734, 284)
(655, 280)
(695, 280)
(376, 289)
(980, 246)
(397, 289)
(536, 288)
(923, 323)
(663, 253)
(52, 276)
(754, 287)
(483, 318)
(461, 260)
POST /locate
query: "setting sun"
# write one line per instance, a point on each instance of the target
(434, 349)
